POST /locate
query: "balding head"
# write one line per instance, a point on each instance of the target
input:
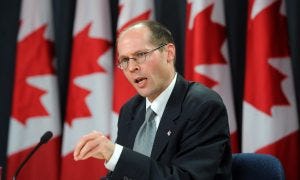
(158, 34)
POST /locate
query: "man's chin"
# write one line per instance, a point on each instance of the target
(141, 93)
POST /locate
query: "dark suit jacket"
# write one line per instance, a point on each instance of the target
(196, 147)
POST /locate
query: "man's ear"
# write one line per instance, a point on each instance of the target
(171, 52)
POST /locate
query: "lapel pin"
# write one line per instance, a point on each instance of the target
(169, 133)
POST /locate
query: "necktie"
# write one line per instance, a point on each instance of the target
(145, 137)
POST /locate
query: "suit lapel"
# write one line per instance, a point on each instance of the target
(167, 124)
(137, 119)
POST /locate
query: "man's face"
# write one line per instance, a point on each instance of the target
(152, 76)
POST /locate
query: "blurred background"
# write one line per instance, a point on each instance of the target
(58, 73)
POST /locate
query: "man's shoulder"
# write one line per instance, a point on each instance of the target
(134, 102)
(201, 93)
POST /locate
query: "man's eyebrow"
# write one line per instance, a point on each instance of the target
(139, 51)
(135, 53)
(121, 57)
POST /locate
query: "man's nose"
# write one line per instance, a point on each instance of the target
(133, 65)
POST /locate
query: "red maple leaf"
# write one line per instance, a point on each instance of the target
(123, 90)
(85, 54)
(267, 38)
(203, 45)
(34, 57)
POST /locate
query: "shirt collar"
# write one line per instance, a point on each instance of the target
(159, 103)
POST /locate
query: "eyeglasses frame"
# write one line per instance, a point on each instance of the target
(135, 59)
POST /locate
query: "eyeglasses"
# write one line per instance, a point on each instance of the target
(139, 58)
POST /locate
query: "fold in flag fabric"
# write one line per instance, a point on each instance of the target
(35, 108)
(130, 11)
(206, 54)
(89, 101)
(270, 123)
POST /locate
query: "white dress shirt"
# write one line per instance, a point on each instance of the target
(158, 106)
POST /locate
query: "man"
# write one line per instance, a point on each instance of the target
(185, 137)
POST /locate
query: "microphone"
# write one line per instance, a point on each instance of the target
(44, 139)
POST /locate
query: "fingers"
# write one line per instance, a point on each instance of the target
(89, 146)
(94, 145)
(86, 144)
(95, 152)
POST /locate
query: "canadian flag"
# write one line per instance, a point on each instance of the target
(130, 11)
(89, 101)
(206, 53)
(35, 106)
(270, 123)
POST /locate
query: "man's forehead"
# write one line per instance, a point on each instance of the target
(133, 36)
